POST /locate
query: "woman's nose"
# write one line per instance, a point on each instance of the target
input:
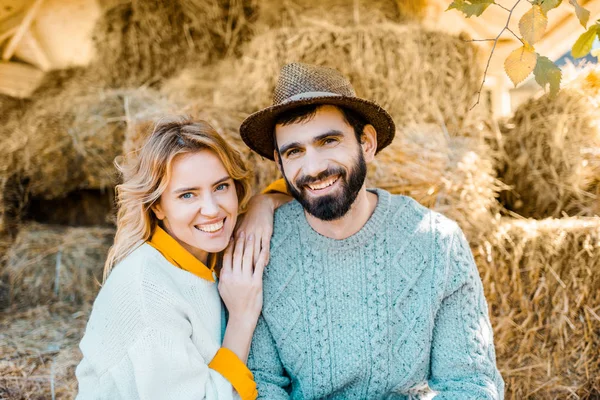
(209, 206)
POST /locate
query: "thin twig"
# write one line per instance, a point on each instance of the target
(478, 40)
(501, 6)
(492, 53)
(515, 35)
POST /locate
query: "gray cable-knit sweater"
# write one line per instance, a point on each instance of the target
(394, 311)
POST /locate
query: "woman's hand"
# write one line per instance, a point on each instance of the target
(258, 221)
(240, 287)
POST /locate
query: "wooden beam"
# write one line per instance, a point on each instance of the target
(25, 24)
(19, 80)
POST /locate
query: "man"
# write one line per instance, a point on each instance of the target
(367, 295)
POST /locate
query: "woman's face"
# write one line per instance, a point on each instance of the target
(199, 207)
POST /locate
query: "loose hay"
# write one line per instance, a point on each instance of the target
(50, 263)
(143, 41)
(392, 64)
(452, 175)
(39, 351)
(553, 156)
(542, 283)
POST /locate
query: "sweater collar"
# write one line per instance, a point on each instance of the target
(373, 226)
(177, 255)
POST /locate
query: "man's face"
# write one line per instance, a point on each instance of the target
(322, 162)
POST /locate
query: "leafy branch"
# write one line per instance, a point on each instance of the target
(524, 60)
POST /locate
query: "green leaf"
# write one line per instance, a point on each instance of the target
(582, 14)
(583, 45)
(519, 64)
(533, 24)
(470, 7)
(547, 73)
(548, 5)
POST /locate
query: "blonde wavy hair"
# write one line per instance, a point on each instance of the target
(146, 174)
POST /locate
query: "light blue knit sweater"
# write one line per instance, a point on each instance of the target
(386, 313)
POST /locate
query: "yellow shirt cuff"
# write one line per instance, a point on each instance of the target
(235, 371)
(278, 186)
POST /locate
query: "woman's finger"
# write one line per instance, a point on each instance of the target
(227, 256)
(259, 267)
(257, 244)
(266, 247)
(238, 254)
(248, 261)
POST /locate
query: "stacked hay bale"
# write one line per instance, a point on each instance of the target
(141, 42)
(56, 263)
(389, 63)
(542, 283)
(552, 150)
(453, 175)
(540, 273)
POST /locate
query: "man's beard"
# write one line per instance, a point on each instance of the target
(332, 206)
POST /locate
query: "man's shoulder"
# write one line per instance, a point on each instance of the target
(286, 217)
(424, 219)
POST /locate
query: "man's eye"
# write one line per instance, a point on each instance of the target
(330, 140)
(292, 152)
(222, 186)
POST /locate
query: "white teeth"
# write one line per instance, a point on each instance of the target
(211, 227)
(324, 184)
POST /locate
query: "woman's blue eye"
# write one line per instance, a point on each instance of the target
(222, 186)
(186, 196)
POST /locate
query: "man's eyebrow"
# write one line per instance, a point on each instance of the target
(288, 146)
(191, 189)
(331, 133)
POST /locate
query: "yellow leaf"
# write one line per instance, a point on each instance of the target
(583, 45)
(519, 64)
(533, 24)
(582, 14)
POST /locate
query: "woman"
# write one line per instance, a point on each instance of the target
(156, 326)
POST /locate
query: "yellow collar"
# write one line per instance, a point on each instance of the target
(177, 255)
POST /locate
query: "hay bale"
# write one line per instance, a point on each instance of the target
(542, 283)
(552, 158)
(302, 13)
(40, 352)
(452, 175)
(70, 141)
(389, 63)
(140, 42)
(227, 125)
(48, 263)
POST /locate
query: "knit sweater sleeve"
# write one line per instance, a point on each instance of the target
(463, 360)
(271, 380)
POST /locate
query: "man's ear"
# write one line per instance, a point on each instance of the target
(158, 211)
(369, 142)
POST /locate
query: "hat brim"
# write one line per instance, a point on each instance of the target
(257, 130)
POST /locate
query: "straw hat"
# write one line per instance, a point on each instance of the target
(303, 84)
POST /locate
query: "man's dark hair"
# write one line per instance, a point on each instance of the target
(307, 112)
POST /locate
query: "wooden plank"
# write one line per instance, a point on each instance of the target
(25, 24)
(29, 50)
(19, 80)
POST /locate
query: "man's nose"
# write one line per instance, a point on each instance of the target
(314, 163)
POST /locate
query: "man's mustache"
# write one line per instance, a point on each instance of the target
(308, 179)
